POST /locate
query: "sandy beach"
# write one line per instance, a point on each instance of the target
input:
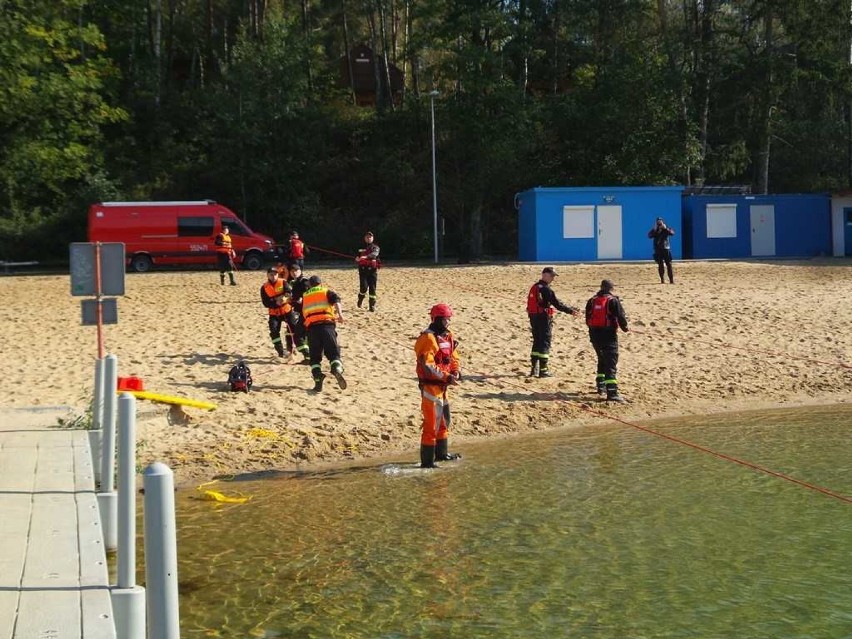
(727, 336)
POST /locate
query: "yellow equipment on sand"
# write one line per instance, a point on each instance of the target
(169, 399)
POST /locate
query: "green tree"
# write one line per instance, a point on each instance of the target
(54, 82)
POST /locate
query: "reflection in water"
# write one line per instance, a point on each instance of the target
(596, 532)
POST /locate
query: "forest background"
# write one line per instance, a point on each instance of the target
(244, 102)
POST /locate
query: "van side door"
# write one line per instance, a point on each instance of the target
(196, 234)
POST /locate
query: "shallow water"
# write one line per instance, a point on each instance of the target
(602, 532)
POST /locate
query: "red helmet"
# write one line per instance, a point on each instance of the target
(441, 310)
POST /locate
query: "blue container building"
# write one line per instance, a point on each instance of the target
(595, 223)
(736, 226)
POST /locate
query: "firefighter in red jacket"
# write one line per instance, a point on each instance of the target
(368, 270)
(225, 255)
(437, 368)
(604, 316)
(296, 250)
(275, 296)
(542, 305)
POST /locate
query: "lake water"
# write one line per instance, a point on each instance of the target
(603, 531)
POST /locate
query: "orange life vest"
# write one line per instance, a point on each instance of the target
(600, 317)
(534, 305)
(223, 243)
(443, 359)
(315, 306)
(277, 290)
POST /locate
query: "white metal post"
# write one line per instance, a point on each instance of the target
(97, 419)
(161, 578)
(432, 96)
(128, 599)
(107, 497)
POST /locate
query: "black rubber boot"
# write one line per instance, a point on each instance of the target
(612, 394)
(318, 383)
(360, 299)
(441, 453)
(372, 306)
(279, 348)
(427, 456)
(222, 279)
(233, 281)
(544, 372)
(337, 371)
(599, 383)
(534, 368)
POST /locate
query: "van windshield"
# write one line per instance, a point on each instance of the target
(235, 226)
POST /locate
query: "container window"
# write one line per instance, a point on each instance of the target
(721, 220)
(578, 222)
(195, 226)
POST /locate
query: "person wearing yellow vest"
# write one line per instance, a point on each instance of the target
(604, 316)
(225, 255)
(321, 312)
(275, 296)
(437, 368)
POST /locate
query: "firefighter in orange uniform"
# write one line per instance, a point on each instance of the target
(321, 311)
(437, 367)
(225, 255)
(275, 296)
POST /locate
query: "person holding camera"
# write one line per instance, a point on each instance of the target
(662, 249)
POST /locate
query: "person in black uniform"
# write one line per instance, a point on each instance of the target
(662, 249)
(542, 305)
(322, 312)
(275, 296)
(604, 316)
(368, 274)
(298, 285)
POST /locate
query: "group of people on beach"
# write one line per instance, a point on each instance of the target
(307, 312)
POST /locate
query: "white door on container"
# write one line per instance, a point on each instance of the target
(609, 232)
(762, 229)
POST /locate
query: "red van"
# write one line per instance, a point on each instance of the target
(160, 233)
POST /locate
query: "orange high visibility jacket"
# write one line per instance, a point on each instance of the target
(316, 308)
(278, 291)
(437, 359)
(223, 243)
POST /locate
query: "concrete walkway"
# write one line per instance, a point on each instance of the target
(54, 582)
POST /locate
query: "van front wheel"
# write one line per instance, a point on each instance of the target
(140, 264)
(253, 261)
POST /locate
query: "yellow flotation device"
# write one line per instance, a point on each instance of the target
(169, 399)
(213, 495)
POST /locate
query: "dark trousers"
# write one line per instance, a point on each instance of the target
(322, 340)
(661, 257)
(605, 343)
(276, 323)
(368, 278)
(541, 325)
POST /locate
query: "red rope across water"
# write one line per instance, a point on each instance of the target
(677, 440)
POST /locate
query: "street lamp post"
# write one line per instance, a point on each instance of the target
(432, 95)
